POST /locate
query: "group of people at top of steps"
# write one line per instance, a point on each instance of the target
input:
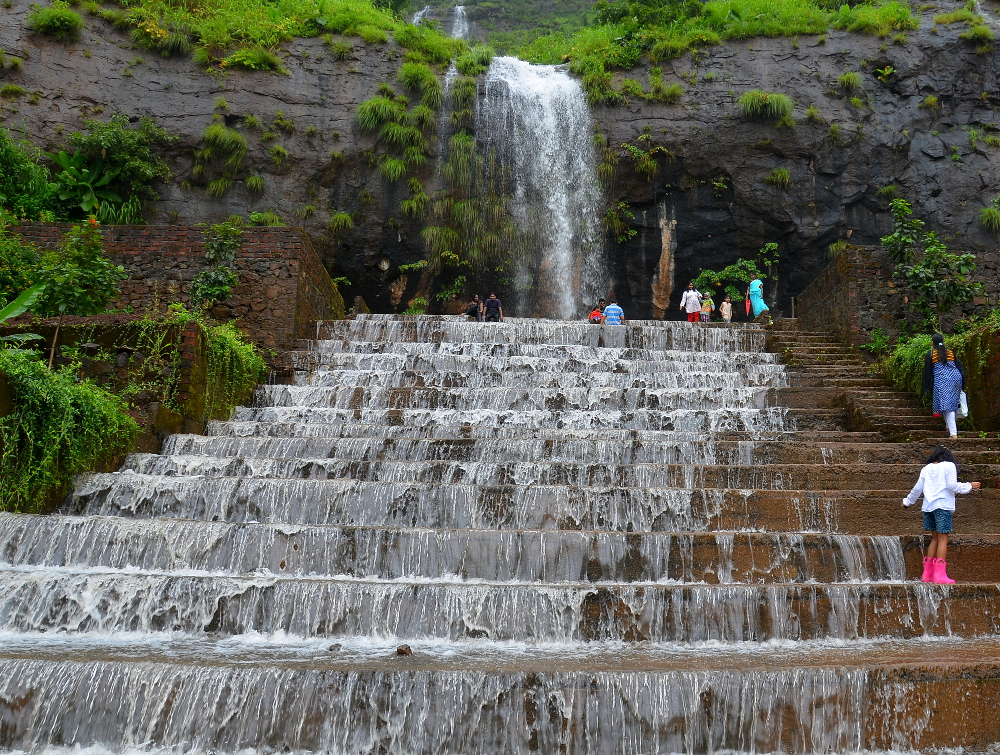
(700, 306)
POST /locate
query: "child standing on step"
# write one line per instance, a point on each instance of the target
(938, 482)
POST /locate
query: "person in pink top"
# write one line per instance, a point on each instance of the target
(938, 483)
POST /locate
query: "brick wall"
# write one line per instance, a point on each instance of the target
(283, 284)
(856, 294)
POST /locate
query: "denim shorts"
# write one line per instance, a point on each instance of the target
(938, 520)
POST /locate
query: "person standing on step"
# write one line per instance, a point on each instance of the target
(691, 303)
(707, 307)
(493, 309)
(938, 482)
(944, 376)
(756, 294)
(726, 309)
(474, 309)
(613, 314)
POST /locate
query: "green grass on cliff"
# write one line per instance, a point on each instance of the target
(629, 30)
(217, 28)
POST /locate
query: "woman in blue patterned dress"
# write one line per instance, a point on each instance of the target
(944, 375)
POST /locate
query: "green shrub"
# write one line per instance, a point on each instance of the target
(977, 34)
(253, 59)
(779, 177)
(850, 81)
(374, 113)
(18, 265)
(340, 221)
(391, 168)
(419, 76)
(989, 217)
(266, 218)
(930, 102)
(475, 61)
(235, 368)
(435, 46)
(255, 184)
(372, 34)
(60, 427)
(133, 152)
(11, 91)
(57, 20)
(879, 20)
(759, 104)
(25, 189)
(226, 144)
(212, 286)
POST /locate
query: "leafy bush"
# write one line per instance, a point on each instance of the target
(85, 184)
(60, 427)
(18, 265)
(850, 81)
(25, 189)
(760, 104)
(253, 59)
(57, 20)
(234, 367)
(210, 287)
(132, 152)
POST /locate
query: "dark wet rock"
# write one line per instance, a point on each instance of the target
(404, 650)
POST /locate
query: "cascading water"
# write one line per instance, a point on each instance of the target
(536, 120)
(460, 25)
(420, 15)
(577, 529)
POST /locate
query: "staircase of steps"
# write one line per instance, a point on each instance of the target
(652, 538)
(815, 359)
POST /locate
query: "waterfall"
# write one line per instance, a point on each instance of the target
(460, 26)
(593, 538)
(536, 120)
(420, 14)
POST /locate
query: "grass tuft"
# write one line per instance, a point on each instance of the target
(850, 81)
(57, 20)
(779, 177)
(758, 104)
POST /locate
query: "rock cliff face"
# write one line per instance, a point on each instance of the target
(707, 204)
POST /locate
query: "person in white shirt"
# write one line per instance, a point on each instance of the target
(938, 482)
(691, 303)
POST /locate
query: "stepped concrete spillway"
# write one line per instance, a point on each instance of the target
(651, 538)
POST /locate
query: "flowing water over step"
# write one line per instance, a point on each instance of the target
(594, 539)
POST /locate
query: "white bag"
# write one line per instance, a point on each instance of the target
(963, 406)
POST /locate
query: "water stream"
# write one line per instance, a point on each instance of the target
(536, 120)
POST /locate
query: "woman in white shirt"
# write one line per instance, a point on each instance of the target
(938, 483)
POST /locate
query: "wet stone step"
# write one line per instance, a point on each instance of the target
(358, 429)
(751, 422)
(766, 376)
(491, 555)
(68, 600)
(464, 506)
(680, 336)
(548, 398)
(687, 476)
(443, 708)
(589, 450)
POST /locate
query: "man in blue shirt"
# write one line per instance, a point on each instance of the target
(613, 314)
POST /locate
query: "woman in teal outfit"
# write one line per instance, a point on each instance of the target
(756, 294)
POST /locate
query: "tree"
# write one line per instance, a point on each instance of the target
(741, 271)
(78, 278)
(937, 277)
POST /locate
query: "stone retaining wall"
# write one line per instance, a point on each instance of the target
(855, 294)
(283, 284)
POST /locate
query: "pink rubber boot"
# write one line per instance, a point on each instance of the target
(928, 575)
(941, 574)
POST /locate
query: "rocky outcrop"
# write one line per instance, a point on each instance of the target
(707, 204)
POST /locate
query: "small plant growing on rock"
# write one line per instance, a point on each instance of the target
(340, 221)
(253, 59)
(252, 122)
(858, 103)
(221, 104)
(779, 177)
(58, 20)
(887, 192)
(850, 81)
(930, 102)
(812, 114)
(341, 50)
(474, 61)
(282, 122)
(223, 242)
(989, 217)
(266, 218)
(278, 155)
(11, 91)
(758, 104)
(255, 184)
